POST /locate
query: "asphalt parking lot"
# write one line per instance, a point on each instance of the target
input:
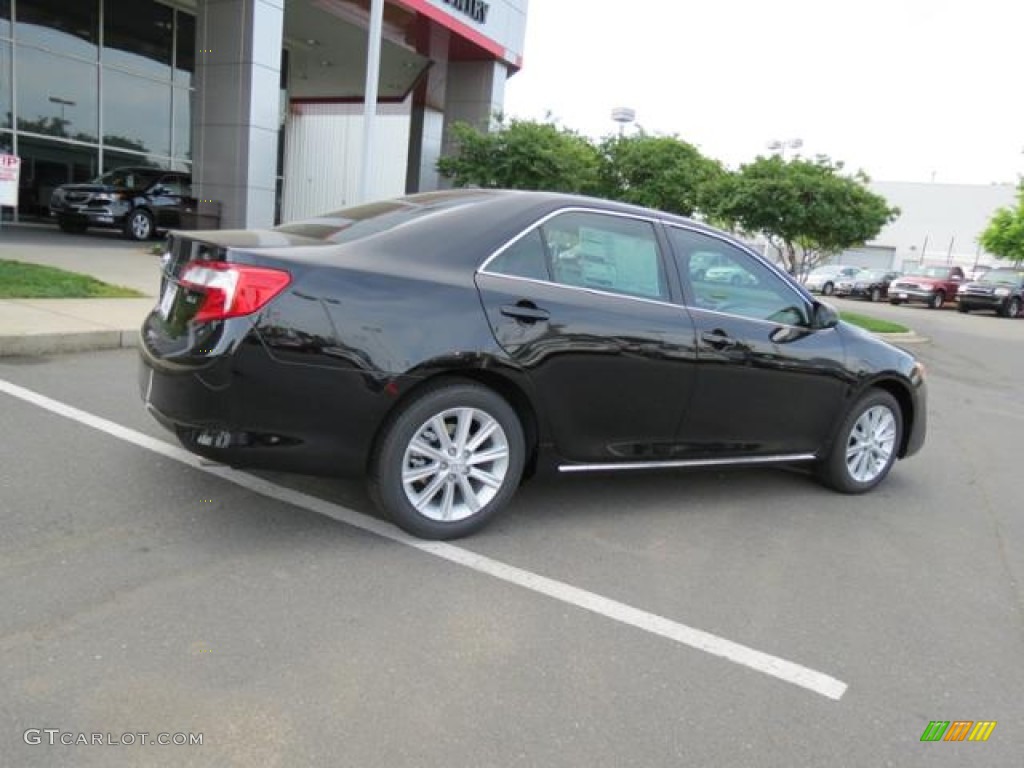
(147, 594)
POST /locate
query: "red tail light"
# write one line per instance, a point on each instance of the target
(232, 290)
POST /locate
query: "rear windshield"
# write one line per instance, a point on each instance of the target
(361, 221)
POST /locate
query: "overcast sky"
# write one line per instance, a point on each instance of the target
(907, 90)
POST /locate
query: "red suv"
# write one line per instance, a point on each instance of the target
(933, 286)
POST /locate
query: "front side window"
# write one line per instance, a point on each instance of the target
(719, 277)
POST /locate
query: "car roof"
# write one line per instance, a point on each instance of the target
(485, 220)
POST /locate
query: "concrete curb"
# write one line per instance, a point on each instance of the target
(903, 338)
(40, 344)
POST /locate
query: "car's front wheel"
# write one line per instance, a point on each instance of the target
(138, 225)
(865, 446)
(937, 300)
(828, 289)
(448, 461)
(1011, 308)
(875, 295)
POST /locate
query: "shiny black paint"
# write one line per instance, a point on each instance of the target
(309, 381)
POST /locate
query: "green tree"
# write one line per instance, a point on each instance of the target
(660, 172)
(522, 154)
(1004, 235)
(806, 209)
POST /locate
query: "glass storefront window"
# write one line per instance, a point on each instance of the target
(136, 113)
(182, 123)
(5, 86)
(68, 27)
(138, 36)
(45, 165)
(56, 95)
(185, 49)
(115, 158)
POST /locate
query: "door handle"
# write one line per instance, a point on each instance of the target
(718, 339)
(525, 312)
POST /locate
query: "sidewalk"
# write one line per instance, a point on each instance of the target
(45, 326)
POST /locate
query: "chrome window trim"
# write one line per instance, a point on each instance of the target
(653, 221)
(582, 289)
(683, 463)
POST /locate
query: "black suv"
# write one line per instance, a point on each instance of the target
(1000, 290)
(137, 201)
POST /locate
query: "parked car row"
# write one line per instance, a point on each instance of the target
(999, 289)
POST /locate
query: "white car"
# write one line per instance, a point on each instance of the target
(823, 279)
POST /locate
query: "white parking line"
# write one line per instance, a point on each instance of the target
(784, 670)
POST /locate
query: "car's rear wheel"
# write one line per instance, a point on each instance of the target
(876, 294)
(962, 308)
(448, 461)
(827, 289)
(865, 446)
(1011, 308)
(138, 225)
(937, 300)
(895, 302)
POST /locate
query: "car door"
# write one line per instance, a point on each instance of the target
(582, 303)
(768, 384)
(165, 199)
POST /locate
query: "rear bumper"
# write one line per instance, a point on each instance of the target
(246, 409)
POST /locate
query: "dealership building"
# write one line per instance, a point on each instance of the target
(262, 100)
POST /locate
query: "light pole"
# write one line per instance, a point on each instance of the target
(63, 103)
(623, 116)
(779, 147)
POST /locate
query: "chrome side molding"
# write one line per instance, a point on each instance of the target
(741, 461)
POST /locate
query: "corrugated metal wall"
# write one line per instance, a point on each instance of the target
(322, 161)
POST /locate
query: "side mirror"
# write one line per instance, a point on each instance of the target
(824, 316)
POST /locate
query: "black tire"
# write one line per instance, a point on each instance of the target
(138, 225)
(72, 227)
(936, 300)
(895, 302)
(962, 308)
(392, 457)
(827, 289)
(1011, 308)
(834, 469)
(875, 295)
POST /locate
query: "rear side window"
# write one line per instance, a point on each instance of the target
(608, 253)
(524, 258)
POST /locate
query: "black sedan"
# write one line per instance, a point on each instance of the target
(137, 201)
(999, 290)
(443, 345)
(870, 284)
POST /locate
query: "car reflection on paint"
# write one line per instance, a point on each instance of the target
(445, 345)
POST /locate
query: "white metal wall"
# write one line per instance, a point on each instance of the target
(323, 145)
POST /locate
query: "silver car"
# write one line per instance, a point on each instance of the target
(823, 279)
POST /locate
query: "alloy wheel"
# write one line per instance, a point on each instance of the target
(871, 444)
(455, 464)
